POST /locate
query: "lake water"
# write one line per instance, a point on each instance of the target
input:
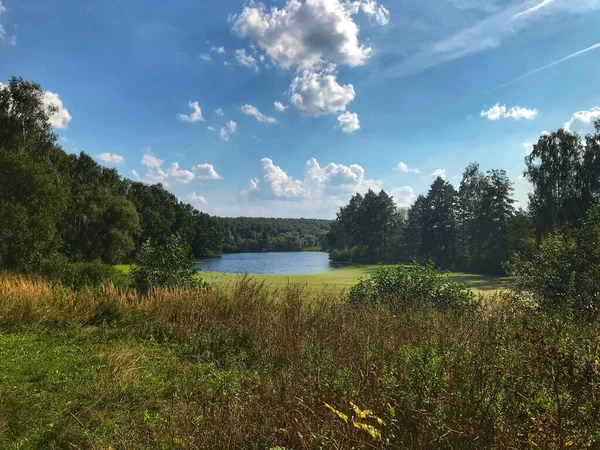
(267, 263)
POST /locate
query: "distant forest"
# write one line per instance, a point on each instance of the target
(246, 234)
(55, 203)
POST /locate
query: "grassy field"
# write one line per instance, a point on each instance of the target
(250, 367)
(342, 278)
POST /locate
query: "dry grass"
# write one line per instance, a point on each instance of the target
(249, 367)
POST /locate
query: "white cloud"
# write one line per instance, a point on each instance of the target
(246, 59)
(111, 158)
(211, 128)
(174, 174)
(441, 173)
(229, 129)
(280, 107)
(371, 8)
(332, 184)
(253, 111)
(219, 50)
(136, 175)
(349, 122)
(206, 171)
(219, 112)
(61, 118)
(196, 199)
(205, 57)
(403, 196)
(195, 115)
(583, 121)
(501, 112)
(403, 167)
(318, 93)
(307, 33)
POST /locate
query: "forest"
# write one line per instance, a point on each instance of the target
(476, 227)
(52, 202)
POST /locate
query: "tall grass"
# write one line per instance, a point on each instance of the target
(251, 368)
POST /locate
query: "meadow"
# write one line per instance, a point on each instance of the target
(343, 277)
(250, 366)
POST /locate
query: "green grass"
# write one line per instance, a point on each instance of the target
(252, 367)
(343, 277)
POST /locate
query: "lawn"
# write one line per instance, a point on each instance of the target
(338, 279)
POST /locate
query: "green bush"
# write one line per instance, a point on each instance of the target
(81, 274)
(563, 277)
(413, 285)
(353, 254)
(164, 265)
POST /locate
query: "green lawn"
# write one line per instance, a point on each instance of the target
(342, 278)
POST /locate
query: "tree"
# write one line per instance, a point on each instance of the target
(470, 195)
(440, 223)
(554, 168)
(25, 119)
(415, 229)
(31, 204)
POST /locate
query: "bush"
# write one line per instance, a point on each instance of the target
(413, 285)
(165, 265)
(563, 277)
(353, 254)
(78, 275)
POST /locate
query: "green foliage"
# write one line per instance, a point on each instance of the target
(246, 234)
(563, 277)
(413, 285)
(364, 226)
(31, 204)
(79, 275)
(169, 265)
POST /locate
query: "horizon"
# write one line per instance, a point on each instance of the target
(289, 122)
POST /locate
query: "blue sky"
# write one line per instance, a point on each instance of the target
(370, 94)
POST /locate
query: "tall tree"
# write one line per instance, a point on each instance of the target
(415, 229)
(470, 196)
(440, 224)
(31, 204)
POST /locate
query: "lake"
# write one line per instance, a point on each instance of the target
(267, 263)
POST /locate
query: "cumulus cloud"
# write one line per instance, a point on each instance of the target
(110, 158)
(403, 167)
(349, 122)
(583, 121)
(334, 182)
(206, 171)
(196, 199)
(229, 129)
(195, 115)
(307, 33)
(317, 93)
(280, 107)
(174, 174)
(253, 111)
(441, 173)
(205, 57)
(219, 50)
(246, 59)
(60, 118)
(219, 112)
(501, 112)
(136, 175)
(403, 196)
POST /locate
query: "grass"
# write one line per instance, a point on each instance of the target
(342, 278)
(247, 366)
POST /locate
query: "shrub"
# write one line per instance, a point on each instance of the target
(412, 285)
(563, 277)
(168, 265)
(78, 275)
(353, 254)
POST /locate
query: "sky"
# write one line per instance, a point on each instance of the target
(287, 108)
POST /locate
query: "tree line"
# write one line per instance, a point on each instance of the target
(477, 227)
(52, 202)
